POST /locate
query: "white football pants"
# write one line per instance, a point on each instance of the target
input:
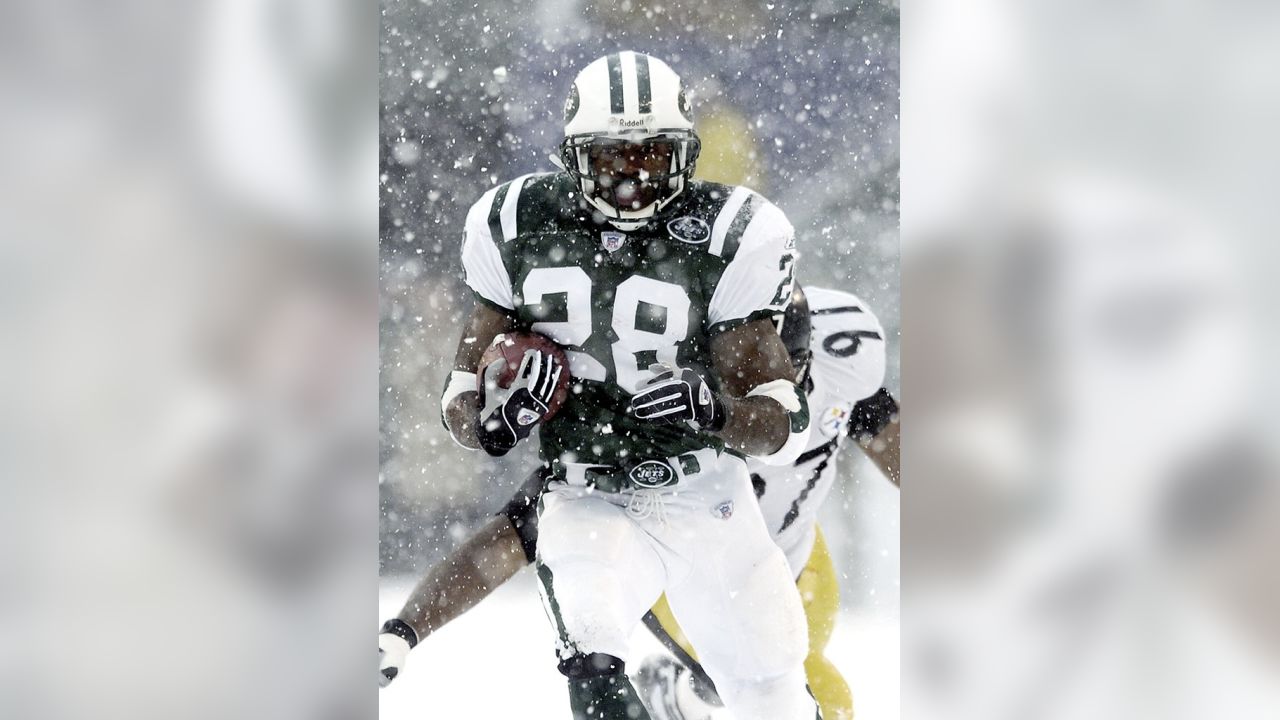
(705, 544)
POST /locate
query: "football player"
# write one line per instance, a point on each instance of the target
(662, 290)
(836, 347)
(838, 350)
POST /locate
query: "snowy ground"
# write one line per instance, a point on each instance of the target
(497, 662)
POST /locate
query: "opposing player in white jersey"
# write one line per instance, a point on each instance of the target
(840, 362)
(846, 374)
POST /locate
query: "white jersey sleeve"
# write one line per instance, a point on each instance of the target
(482, 264)
(848, 345)
(757, 281)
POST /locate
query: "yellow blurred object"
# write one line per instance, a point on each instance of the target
(663, 612)
(729, 152)
(820, 592)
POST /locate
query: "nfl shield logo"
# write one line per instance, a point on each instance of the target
(612, 240)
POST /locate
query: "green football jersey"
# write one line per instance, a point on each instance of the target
(618, 302)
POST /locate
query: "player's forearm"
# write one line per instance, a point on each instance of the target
(754, 425)
(766, 415)
(461, 401)
(489, 558)
(875, 426)
(463, 410)
(884, 451)
(461, 417)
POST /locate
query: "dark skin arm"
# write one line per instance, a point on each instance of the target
(745, 358)
(884, 451)
(463, 412)
(489, 558)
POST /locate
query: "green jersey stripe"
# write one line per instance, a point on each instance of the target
(509, 205)
(548, 583)
(733, 237)
(724, 218)
(495, 213)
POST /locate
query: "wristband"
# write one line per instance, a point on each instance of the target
(459, 382)
(792, 399)
(401, 629)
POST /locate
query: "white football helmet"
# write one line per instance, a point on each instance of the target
(629, 140)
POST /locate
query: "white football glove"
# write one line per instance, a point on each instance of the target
(509, 414)
(394, 643)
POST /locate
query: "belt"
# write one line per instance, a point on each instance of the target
(647, 473)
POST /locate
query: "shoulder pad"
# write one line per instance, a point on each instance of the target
(497, 208)
(747, 220)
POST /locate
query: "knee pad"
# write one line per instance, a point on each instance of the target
(581, 666)
(781, 644)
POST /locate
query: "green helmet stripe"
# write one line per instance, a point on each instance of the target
(615, 84)
(644, 87)
(738, 227)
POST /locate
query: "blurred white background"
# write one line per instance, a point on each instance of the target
(1089, 456)
(188, 374)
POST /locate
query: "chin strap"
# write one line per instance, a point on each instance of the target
(629, 225)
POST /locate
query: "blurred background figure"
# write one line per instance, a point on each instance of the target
(189, 404)
(1089, 469)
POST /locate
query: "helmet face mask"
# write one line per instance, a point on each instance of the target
(796, 332)
(631, 174)
(629, 140)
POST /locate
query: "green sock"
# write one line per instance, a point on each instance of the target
(606, 697)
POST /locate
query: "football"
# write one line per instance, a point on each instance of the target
(512, 347)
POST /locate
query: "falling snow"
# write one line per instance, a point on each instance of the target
(472, 96)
